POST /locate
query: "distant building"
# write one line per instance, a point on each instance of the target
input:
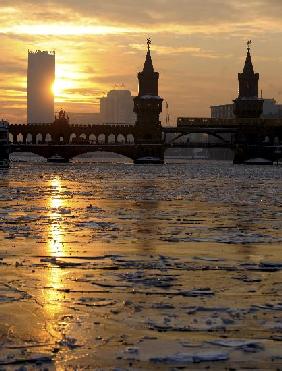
(223, 111)
(117, 108)
(40, 80)
(85, 118)
(270, 110)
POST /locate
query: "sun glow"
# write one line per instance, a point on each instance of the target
(60, 86)
(64, 29)
(67, 78)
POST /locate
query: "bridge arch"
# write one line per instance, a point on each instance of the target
(205, 135)
(101, 138)
(130, 138)
(82, 137)
(92, 138)
(120, 139)
(39, 138)
(48, 138)
(28, 138)
(116, 154)
(111, 138)
(72, 138)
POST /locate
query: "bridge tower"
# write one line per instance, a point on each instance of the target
(248, 105)
(148, 104)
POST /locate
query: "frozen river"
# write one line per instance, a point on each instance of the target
(116, 266)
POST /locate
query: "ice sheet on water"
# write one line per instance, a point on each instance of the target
(97, 225)
(25, 359)
(198, 292)
(142, 278)
(95, 302)
(211, 325)
(237, 343)
(182, 359)
(269, 306)
(68, 342)
(10, 293)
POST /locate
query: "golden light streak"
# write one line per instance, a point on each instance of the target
(64, 29)
(55, 248)
(56, 241)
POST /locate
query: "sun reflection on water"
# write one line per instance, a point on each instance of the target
(55, 248)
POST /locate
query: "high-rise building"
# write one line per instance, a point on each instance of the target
(117, 108)
(40, 80)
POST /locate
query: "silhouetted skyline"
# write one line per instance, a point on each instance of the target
(198, 46)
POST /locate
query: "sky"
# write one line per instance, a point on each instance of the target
(198, 47)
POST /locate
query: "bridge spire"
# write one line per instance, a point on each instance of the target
(248, 68)
(248, 104)
(148, 78)
(148, 104)
(148, 65)
(248, 79)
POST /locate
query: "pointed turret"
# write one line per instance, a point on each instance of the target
(248, 68)
(148, 78)
(148, 104)
(148, 65)
(248, 104)
(248, 79)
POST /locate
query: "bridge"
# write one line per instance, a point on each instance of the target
(260, 137)
(247, 134)
(69, 151)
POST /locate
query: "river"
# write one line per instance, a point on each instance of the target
(121, 266)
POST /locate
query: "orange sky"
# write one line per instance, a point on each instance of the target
(198, 48)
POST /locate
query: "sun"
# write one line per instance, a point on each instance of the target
(60, 86)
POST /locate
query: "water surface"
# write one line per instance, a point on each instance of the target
(145, 267)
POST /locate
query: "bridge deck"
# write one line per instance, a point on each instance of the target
(230, 123)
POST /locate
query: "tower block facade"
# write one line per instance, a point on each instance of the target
(148, 104)
(248, 104)
(40, 80)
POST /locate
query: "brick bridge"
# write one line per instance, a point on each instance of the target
(251, 137)
(247, 134)
(66, 140)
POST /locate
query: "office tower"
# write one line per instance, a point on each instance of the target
(117, 108)
(40, 80)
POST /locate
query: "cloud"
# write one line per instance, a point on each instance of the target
(88, 17)
(198, 48)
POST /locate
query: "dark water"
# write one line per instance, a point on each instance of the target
(115, 265)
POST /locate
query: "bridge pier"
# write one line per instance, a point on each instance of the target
(240, 154)
(245, 152)
(15, 138)
(153, 154)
